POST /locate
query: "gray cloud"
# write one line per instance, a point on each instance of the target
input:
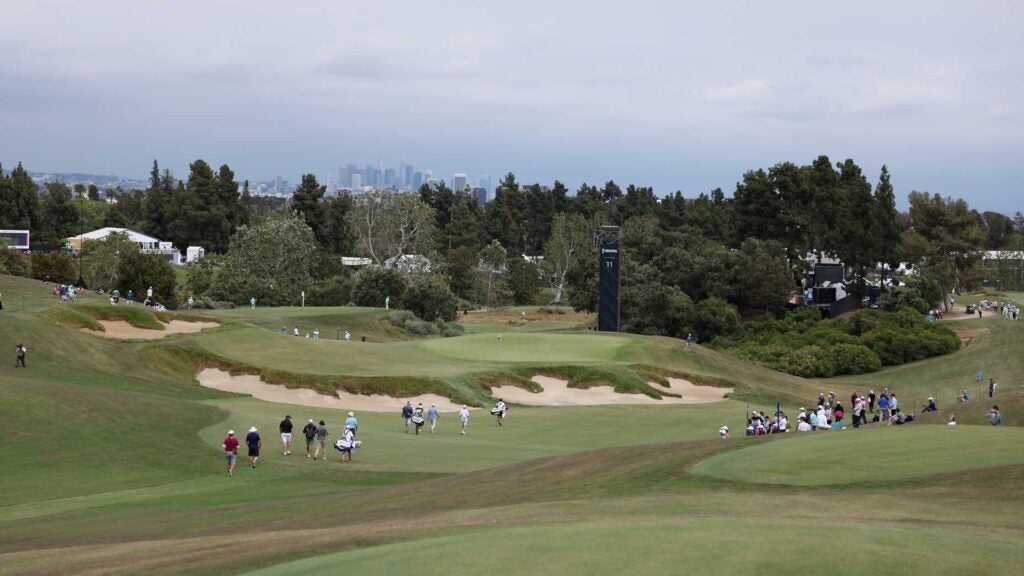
(659, 93)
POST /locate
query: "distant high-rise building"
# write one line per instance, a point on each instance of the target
(417, 181)
(485, 182)
(407, 176)
(458, 182)
(390, 178)
(357, 181)
(377, 178)
(278, 185)
(481, 195)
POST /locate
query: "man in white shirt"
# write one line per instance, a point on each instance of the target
(464, 417)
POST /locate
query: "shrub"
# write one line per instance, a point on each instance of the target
(137, 271)
(430, 298)
(373, 286)
(53, 266)
(14, 263)
(334, 291)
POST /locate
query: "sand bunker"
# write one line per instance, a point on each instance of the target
(257, 388)
(125, 331)
(557, 393)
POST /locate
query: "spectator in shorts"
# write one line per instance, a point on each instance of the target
(464, 418)
(321, 441)
(432, 415)
(309, 431)
(230, 446)
(286, 434)
(407, 415)
(348, 442)
(253, 443)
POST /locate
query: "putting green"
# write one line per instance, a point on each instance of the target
(877, 455)
(680, 546)
(532, 348)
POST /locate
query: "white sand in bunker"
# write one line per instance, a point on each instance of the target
(125, 331)
(557, 393)
(254, 386)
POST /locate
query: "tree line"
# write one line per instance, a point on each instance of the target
(689, 264)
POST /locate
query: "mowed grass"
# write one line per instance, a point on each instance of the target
(878, 455)
(113, 465)
(684, 545)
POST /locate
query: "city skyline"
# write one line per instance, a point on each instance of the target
(568, 91)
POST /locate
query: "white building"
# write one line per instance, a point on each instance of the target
(459, 182)
(147, 244)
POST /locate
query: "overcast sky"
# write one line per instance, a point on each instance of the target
(664, 94)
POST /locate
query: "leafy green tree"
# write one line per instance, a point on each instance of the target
(430, 298)
(714, 317)
(570, 233)
(94, 193)
(461, 271)
(885, 223)
(307, 200)
(944, 241)
(998, 230)
(337, 237)
(520, 282)
(656, 309)
(54, 266)
(101, 260)
(374, 286)
(202, 274)
(506, 215)
(763, 276)
(465, 228)
(588, 203)
(19, 201)
(493, 258)
(387, 225)
(333, 291)
(272, 260)
(137, 271)
(59, 214)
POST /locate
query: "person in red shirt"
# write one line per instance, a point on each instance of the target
(230, 446)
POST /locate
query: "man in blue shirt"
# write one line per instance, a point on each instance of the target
(883, 409)
(351, 421)
(407, 415)
(432, 415)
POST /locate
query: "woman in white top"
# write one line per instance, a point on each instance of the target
(822, 419)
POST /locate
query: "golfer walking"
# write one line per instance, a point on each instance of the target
(407, 415)
(309, 431)
(286, 434)
(464, 418)
(19, 355)
(230, 446)
(321, 441)
(432, 415)
(253, 443)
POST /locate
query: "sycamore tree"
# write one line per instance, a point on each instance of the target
(272, 261)
(570, 233)
(387, 225)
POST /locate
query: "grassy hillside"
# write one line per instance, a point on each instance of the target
(112, 460)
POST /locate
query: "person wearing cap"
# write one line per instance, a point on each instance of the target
(286, 434)
(432, 415)
(351, 421)
(930, 406)
(417, 417)
(321, 441)
(230, 446)
(464, 417)
(309, 431)
(253, 443)
(346, 444)
(871, 401)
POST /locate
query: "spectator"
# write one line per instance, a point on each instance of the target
(930, 406)
(994, 416)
